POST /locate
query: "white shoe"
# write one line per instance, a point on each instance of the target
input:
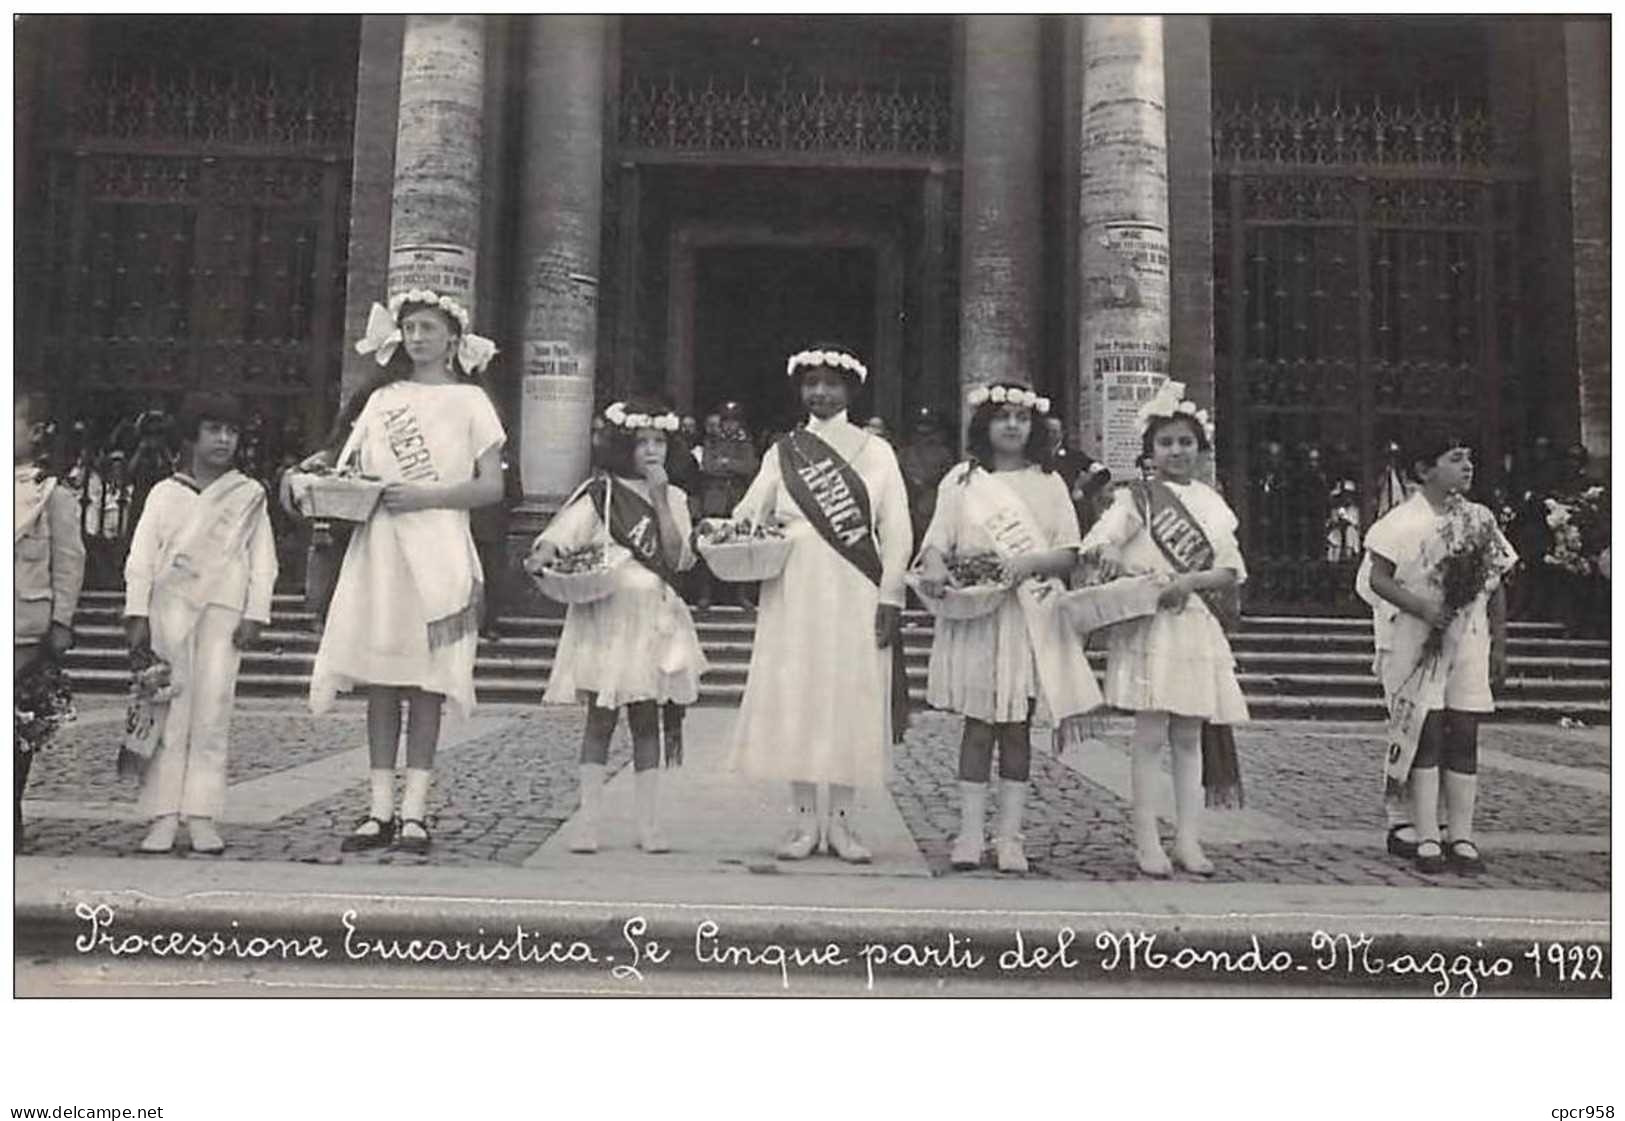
(1007, 834)
(844, 843)
(650, 838)
(1190, 857)
(802, 840)
(1155, 862)
(966, 854)
(161, 837)
(205, 837)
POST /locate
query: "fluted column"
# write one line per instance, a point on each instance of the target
(562, 193)
(435, 207)
(1001, 262)
(1586, 70)
(1123, 229)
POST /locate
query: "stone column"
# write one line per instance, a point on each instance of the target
(372, 183)
(1001, 261)
(1123, 233)
(1586, 54)
(435, 224)
(562, 205)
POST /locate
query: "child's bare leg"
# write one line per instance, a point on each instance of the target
(975, 768)
(1461, 785)
(594, 754)
(644, 717)
(1150, 730)
(1185, 734)
(423, 711)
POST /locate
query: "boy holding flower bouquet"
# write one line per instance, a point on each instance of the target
(1432, 575)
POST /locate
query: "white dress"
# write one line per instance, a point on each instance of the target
(1174, 661)
(817, 704)
(377, 630)
(639, 643)
(984, 667)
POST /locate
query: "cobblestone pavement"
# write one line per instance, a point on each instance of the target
(500, 793)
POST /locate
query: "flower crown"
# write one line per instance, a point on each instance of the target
(837, 358)
(1169, 403)
(1007, 395)
(384, 331)
(617, 415)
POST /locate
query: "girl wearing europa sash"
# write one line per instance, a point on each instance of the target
(818, 704)
(198, 585)
(637, 647)
(1172, 669)
(1432, 575)
(998, 668)
(404, 619)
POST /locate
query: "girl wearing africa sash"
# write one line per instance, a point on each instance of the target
(818, 700)
(637, 647)
(405, 616)
(1173, 669)
(998, 668)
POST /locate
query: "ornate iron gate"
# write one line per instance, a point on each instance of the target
(1365, 285)
(193, 237)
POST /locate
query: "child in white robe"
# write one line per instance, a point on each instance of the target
(1399, 579)
(995, 669)
(404, 620)
(1174, 669)
(638, 646)
(198, 583)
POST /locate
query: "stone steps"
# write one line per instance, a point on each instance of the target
(1288, 668)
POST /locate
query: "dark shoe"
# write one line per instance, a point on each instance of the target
(1430, 857)
(363, 842)
(1464, 858)
(1397, 845)
(418, 845)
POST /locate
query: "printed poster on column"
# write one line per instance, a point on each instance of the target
(557, 408)
(1127, 373)
(446, 269)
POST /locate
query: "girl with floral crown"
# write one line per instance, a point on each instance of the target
(637, 647)
(405, 615)
(1172, 669)
(999, 668)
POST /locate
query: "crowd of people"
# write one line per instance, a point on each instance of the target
(825, 699)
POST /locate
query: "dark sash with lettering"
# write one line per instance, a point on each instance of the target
(835, 500)
(634, 525)
(1182, 540)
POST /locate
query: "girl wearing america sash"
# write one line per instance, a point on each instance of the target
(818, 699)
(404, 620)
(637, 647)
(198, 582)
(1173, 669)
(999, 668)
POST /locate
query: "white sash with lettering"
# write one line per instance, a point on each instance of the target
(1063, 672)
(396, 444)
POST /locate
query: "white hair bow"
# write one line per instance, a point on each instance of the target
(383, 337)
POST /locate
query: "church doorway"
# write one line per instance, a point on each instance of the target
(755, 306)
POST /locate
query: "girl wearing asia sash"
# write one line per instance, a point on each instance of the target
(1173, 669)
(405, 616)
(996, 669)
(818, 704)
(1432, 575)
(197, 591)
(637, 647)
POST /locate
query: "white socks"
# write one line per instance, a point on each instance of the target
(1146, 773)
(650, 838)
(415, 800)
(382, 781)
(1007, 833)
(967, 848)
(1189, 802)
(1425, 802)
(584, 834)
(1460, 801)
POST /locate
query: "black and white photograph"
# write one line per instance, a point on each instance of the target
(1109, 507)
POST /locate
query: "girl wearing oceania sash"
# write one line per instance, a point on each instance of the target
(996, 669)
(404, 620)
(637, 647)
(1173, 669)
(817, 706)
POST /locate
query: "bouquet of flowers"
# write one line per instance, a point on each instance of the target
(41, 703)
(1580, 531)
(151, 689)
(1473, 563)
(974, 570)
